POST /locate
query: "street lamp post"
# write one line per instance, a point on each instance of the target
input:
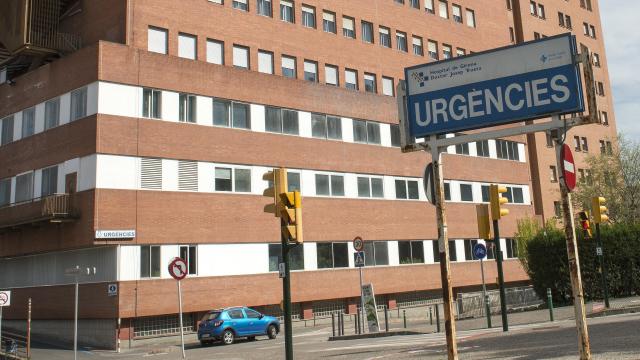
(76, 272)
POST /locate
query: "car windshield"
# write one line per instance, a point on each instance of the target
(211, 315)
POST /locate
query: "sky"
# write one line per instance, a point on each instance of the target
(622, 41)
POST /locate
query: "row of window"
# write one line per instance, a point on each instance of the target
(24, 186)
(333, 255)
(52, 110)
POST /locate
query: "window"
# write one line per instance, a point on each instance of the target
(265, 8)
(411, 252)
(252, 314)
(447, 191)
(609, 149)
(370, 83)
(288, 66)
(326, 127)
(436, 251)
(561, 19)
(395, 135)
(51, 113)
(567, 21)
(293, 181)
(385, 37)
(329, 185)
(187, 108)
(265, 62)
(329, 22)
(331, 75)
(576, 143)
(428, 6)
(286, 11)
(348, 27)
(296, 257)
(367, 32)
(512, 248)
(240, 5)
(49, 184)
(460, 52)
(446, 52)
(514, 195)
(308, 16)
(417, 46)
(370, 187)
(471, 18)
(188, 253)
(604, 118)
(332, 255)
(401, 41)
(414, 4)
(532, 8)
(351, 79)
(221, 113)
(509, 4)
(466, 192)
(187, 45)
(215, 52)
(151, 103)
(366, 132)
(236, 314)
(376, 253)
(512, 35)
(484, 189)
(5, 192)
(241, 56)
(553, 173)
(28, 122)
(482, 148)
(24, 187)
(78, 104)
(596, 60)
(507, 150)
(224, 179)
(603, 148)
(433, 50)
(149, 261)
(462, 149)
(281, 121)
(157, 40)
(456, 12)
(541, 13)
(585, 144)
(468, 249)
(311, 71)
(387, 86)
(407, 189)
(241, 116)
(600, 88)
(453, 251)
(592, 31)
(443, 9)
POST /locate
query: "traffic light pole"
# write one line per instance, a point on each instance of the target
(503, 295)
(603, 267)
(286, 293)
(574, 268)
(443, 246)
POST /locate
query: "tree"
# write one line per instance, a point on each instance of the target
(614, 175)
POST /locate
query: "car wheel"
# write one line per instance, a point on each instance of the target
(228, 337)
(272, 332)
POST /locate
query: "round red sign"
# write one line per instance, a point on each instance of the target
(358, 244)
(568, 167)
(178, 268)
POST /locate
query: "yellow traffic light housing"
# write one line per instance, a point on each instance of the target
(497, 201)
(278, 179)
(585, 224)
(292, 215)
(599, 210)
(484, 227)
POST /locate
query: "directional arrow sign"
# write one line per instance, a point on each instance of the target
(178, 269)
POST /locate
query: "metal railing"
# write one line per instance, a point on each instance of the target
(54, 208)
(13, 347)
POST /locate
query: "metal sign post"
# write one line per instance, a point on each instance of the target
(359, 262)
(480, 252)
(572, 252)
(76, 272)
(178, 271)
(603, 266)
(5, 300)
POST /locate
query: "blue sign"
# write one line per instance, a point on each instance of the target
(358, 259)
(479, 251)
(511, 84)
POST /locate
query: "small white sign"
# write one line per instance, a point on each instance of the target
(115, 234)
(5, 297)
(599, 251)
(112, 289)
(281, 271)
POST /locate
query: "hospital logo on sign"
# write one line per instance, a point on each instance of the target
(420, 78)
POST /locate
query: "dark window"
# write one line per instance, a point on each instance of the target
(376, 253)
(151, 103)
(436, 251)
(395, 135)
(468, 249)
(332, 255)
(296, 257)
(188, 254)
(221, 113)
(223, 179)
(466, 192)
(367, 32)
(293, 181)
(241, 117)
(235, 314)
(447, 191)
(265, 8)
(252, 314)
(401, 189)
(149, 261)
(453, 254)
(507, 150)
(482, 148)
(485, 193)
(411, 252)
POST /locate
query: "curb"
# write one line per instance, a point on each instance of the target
(609, 312)
(377, 335)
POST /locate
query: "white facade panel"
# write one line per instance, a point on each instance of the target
(522, 153)
(169, 175)
(493, 151)
(308, 183)
(119, 100)
(37, 183)
(222, 259)
(385, 135)
(92, 98)
(350, 185)
(65, 108)
(129, 263)
(257, 118)
(170, 106)
(310, 256)
(17, 126)
(460, 250)
(206, 177)
(39, 125)
(394, 254)
(204, 111)
(428, 252)
(87, 173)
(113, 172)
(304, 123)
(167, 253)
(389, 184)
(347, 130)
(257, 184)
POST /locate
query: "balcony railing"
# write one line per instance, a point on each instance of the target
(56, 208)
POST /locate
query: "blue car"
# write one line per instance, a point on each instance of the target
(231, 323)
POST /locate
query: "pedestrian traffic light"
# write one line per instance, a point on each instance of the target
(599, 210)
(292, 215)
(497, 201)
(584, 222)
(484, 229)
(278, 184)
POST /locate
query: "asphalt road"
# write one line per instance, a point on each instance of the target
(615, 337)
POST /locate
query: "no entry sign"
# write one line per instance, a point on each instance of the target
(568, 167)
(178, 268)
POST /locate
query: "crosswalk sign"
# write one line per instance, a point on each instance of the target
(358, 259)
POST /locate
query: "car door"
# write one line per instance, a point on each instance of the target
(238, 321)
(255, 325)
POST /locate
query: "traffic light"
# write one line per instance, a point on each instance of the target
(484, 229)
(278, 185)
(584, 222)
(497, 201)
(292, 214)
(599, 210)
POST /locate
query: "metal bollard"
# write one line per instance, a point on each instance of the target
(437, 318)
(341, 323)
(356, 324)
(386, 320)
(333, 325)
(487, 305)
(550, 304)
(404, 318)
(431, 315)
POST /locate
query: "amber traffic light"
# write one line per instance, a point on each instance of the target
(496, 201)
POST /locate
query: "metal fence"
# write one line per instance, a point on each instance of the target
(472, 304)
(13, 347)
